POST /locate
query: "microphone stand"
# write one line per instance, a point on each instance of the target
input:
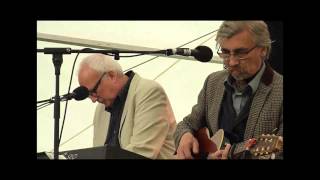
(57, 59)
(51, 100)
(47, 102)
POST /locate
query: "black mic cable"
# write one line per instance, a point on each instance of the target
(66, 106)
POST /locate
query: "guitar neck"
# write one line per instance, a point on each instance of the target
(238, 149)
(262, 148)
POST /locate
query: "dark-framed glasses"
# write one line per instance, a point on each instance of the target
(94, 90)
(238, 54)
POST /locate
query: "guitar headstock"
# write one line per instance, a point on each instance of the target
(267, 145)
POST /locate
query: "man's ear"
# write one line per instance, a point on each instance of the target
(264, 52)
(112, 75)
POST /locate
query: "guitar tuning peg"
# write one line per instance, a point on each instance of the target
(268, 148)
(268, 134)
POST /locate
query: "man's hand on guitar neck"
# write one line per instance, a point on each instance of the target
(187, 144)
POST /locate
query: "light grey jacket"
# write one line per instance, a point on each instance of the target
(147, 122)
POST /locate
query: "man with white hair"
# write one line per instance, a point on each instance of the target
(133, 113)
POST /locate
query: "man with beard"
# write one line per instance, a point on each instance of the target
(245, 99)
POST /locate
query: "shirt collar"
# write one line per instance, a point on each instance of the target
(123, 92)
(254, 83)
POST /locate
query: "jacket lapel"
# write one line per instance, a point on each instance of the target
(259, 99)
(133, 85)
(216, 105)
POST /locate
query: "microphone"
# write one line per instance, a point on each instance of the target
(201, 53)
(80, 93)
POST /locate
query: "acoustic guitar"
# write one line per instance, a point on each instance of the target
(264, 147)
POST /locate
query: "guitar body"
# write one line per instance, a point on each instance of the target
(208, 145)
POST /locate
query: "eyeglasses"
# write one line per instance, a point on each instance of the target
(94, 90)
(238, 54)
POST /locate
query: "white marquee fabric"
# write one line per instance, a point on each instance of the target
(182, 79)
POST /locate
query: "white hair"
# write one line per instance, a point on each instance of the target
(102, 63)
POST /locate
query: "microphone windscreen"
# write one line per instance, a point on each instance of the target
(204, 54)
(80, 93)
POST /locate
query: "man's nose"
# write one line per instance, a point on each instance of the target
(233, 60)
